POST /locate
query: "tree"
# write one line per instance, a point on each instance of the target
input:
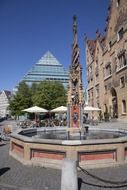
(47, 94)
(50, 94)
(21, 100)
(33, 88)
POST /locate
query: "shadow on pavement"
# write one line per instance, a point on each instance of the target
(4, 170)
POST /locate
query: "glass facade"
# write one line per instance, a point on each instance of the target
(47, 68)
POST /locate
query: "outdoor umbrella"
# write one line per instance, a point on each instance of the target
(90, 108)
(60, 109)
(35, 109)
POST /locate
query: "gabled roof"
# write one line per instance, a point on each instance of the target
(8, 93)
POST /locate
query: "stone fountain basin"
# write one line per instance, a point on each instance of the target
(91, 153)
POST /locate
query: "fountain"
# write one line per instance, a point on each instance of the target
(75, 93)
(91, 147)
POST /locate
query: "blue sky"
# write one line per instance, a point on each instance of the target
(29, 28)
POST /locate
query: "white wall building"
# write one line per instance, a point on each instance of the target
(5, 95)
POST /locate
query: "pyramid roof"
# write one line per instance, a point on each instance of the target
(48, 59)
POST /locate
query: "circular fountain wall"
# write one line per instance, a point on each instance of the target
(47, 147)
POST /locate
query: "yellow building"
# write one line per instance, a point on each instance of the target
(106, 58)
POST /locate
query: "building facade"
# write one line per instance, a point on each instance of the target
(5, 96)
(47, 68)
(106, 58)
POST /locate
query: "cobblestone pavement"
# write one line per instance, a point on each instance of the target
(15, 176)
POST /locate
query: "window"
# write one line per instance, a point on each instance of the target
(98, 105)
(124, 110)
(97, 50)
(118, 3)
(104, 72)
(110, 43)
(106, 89)
(108, 70)
(88, 95)
(120, 34)
(122, 82)
(90, 74)
(97, 91)
(122, 59)
(92, 93)
(90, 68)
(96, 68)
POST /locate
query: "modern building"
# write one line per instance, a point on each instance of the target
(5, 96)
(47, 68)
(106, 58)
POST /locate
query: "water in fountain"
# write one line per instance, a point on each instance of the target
(81, 134)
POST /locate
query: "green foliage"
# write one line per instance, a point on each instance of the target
(50, 94)
(47, 94)
(33, 88)
(21, 100)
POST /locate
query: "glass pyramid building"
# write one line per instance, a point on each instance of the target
(47, 68)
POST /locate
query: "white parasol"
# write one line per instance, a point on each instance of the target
(35, 109)
(60, 109)
(90, 108)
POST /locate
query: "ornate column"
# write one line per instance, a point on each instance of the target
(75, 91)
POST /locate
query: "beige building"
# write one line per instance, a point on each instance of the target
(106, 58)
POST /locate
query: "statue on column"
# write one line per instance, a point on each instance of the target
(75, 94)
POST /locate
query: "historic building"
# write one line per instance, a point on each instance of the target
(47, 68)
(5, 96)
(106, 58)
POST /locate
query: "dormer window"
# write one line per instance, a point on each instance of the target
(109, 45)
(120, 34)
(118, 3)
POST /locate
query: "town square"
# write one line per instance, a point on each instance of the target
(63, 124)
